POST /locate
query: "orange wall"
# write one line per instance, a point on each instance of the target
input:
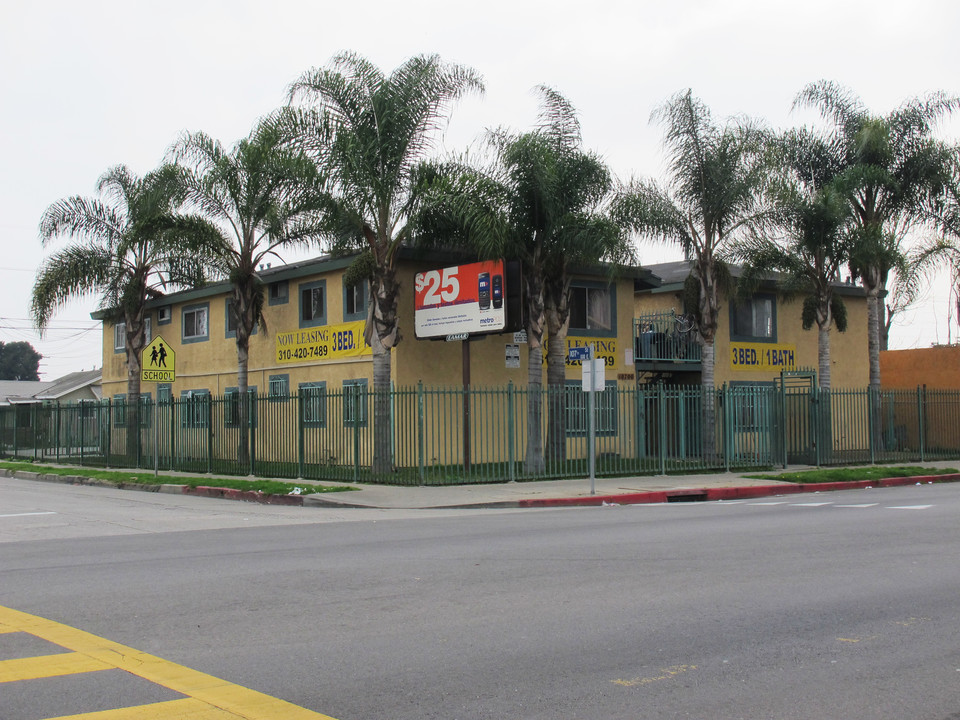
(935, 367)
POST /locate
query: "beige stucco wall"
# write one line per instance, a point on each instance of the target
(848, 350)
(212, 364)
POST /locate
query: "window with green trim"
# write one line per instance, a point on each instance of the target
(355, 402)
(605, 409)
(195, 408)
(231, 407)
(313, 404)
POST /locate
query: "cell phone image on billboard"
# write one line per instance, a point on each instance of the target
(497, 291)
(483, 290)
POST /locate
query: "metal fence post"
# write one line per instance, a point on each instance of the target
(421, 434)
(301, 451)
(727, 426)
(56, 430)
(920, 420)
(662, 427)
(511, 439)
(355, 399)
(208, 400)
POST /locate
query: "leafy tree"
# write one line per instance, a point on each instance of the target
(713, 193)
(370, 132)
(804, 238)
(130, 245)
(257, 198)
(19, 361)
(892, 165)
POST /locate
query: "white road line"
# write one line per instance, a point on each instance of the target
(909, 507)
(862, 505)
(821, 504)
(778, 502)
(27, 514)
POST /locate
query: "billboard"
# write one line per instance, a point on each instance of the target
(461, 299)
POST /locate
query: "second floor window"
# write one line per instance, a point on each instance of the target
(755, 319)
(195, 326)
(312, 304)
(591, 308)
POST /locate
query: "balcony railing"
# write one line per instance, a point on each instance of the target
(663, 340)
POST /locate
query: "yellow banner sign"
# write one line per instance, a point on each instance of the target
(330, 342)
(762, 356)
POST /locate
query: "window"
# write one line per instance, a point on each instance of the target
(195, 327)
(592, 309)
(88, 409)
(313, 403)
(278, 293)
(164, 393)
(355, 298)
(751, 408)
(195, 408)
(605, 409)
(279, 388)
(120, 335)
(164, 315)
(230, 321)
(355, 402)
(312, 306)
(754, 320)
(120, 410)
(231, 407)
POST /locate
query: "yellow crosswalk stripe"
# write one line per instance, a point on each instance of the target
(216, 694)
(186, 709)
(47, 666)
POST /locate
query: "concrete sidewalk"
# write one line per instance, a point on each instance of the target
(544, 493)
(623, 490)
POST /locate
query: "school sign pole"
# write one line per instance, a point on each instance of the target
(158, 364)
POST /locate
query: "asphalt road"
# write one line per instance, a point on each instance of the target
(827, 606)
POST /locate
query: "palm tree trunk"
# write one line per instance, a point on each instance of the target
(709, 439)
(533, 462)
(243, 402)
(134, 343)
(873, 351)
(556, 385)
(382, 455)
(823, 354)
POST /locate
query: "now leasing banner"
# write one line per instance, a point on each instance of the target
(762, 356)
(330, 342)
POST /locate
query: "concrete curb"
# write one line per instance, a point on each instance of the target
(730, 493)
(639, 498)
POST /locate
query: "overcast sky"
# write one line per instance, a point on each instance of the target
(86, 86)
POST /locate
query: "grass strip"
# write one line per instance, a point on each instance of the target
(848, 474)
(134, 477)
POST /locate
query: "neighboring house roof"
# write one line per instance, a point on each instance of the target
(14, 392)
(70, 383)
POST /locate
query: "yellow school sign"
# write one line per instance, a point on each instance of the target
(158, 362)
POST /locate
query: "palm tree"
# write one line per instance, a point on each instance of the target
(259, 197)
(943, 247)
(716, 175)
(538, 198)
(130, 246)
(892, 165)
(370, 132)
(810, 217)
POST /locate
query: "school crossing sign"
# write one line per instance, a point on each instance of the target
(158, 362)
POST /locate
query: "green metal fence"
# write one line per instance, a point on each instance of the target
(451, 435)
